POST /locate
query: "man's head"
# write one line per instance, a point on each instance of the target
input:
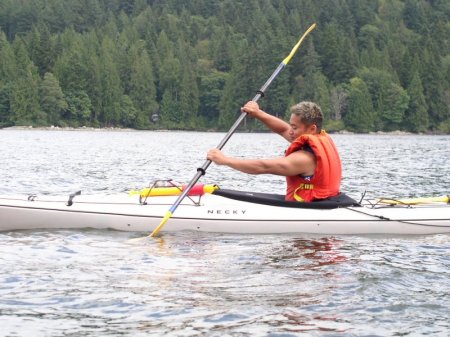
(306, 118)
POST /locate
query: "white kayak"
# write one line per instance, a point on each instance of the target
(226, 211)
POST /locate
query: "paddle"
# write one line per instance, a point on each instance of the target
(202, 170)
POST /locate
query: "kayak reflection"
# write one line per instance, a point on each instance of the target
(315, 252)
(325, 251)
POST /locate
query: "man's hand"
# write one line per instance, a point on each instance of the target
(252, 108)
(216, 156)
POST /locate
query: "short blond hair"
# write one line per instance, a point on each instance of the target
(309, 113)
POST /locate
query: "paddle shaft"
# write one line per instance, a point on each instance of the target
(202, 170)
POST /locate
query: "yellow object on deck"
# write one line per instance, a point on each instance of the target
(415, 201)
(199, 189)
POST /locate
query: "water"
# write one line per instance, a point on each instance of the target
(96, 283)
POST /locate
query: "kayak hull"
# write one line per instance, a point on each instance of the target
(213, 213)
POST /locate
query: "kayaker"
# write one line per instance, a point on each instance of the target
(311, 164)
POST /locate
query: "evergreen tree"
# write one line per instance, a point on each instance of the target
(322, 94)
(389, 99)
(8, 67)
(369, 37)
(71, 68)
(416, 117)
(407, 66)
(309, 65)
(8, 71)
(5, 110)
(170, 109)
(142, 88)
(43, 49)
(211, 88)
(24, 98)
(222, 54)
(111, 89)
(237, 89)
(338, 55)
(86, 14)
(189, 97)
(79, 109)
(371, 57)
(52, 99)
(169, 83)
(91, 57)
(392, 107)
(414, 16)
(391, 13)
(164, 46)
(22, 21)
(124, 55)
(433, 81)
(129, 114)
(170, 74)
(360, 115)
(7, 75)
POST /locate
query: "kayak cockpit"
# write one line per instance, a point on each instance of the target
(341, 200)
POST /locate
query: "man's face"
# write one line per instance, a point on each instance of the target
(298, 128)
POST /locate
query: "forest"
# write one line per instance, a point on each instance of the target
(372, 65)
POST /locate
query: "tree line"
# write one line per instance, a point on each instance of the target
(371, 65)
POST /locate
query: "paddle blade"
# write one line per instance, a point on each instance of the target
(294, 50)
(163, 222)
(142, 240)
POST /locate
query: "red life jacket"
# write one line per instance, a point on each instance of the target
(327, 176)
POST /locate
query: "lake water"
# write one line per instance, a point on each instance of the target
(96, 283)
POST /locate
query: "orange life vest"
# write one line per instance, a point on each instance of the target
(327, 176)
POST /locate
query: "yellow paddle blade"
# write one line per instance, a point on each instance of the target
(293, 51)
(163, 222)
(415, 201)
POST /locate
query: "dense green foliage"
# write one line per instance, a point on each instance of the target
(371, 64)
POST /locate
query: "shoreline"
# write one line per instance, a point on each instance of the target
(66, 128)
(118, 129)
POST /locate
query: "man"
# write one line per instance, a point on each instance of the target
(311, 164)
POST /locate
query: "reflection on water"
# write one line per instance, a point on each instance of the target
(315, 252)
(95, 283)
(263, 281)
(307, 257)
